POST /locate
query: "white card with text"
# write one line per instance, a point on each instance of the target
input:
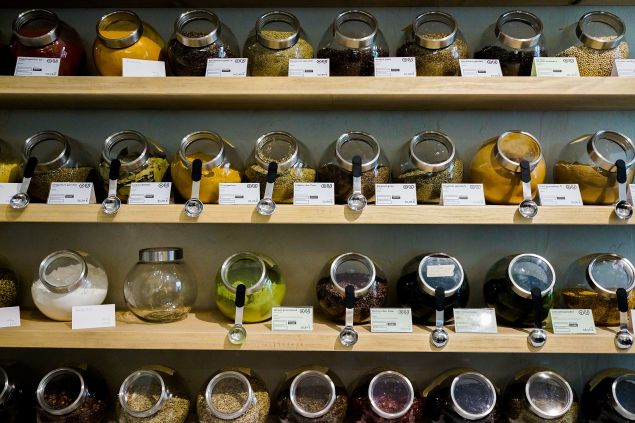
(395, 194)
(395, 67)
(94, 316)
(221, 68)
(150, 193)
(7, 191)
(292, 319)
(391, 320)
(71, 193)
(462, 195)
(313, 194)
(624, 67)
(9, 317)
(559, 195)
(235, 194)
(475, 320)
(555, 66)
(148, 68)
(484, 68)
(37, 66)
(309, 68)
(567, 321)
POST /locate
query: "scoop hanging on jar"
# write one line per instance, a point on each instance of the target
(537, 337)
(623, 338)
(238, 334)
(112, 203)
(194, 207)
(356, 201)
(439, 336)
(21, 199)
(266, 206)
(348, 335)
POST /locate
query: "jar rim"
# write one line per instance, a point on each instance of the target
(48, 378)
(522, 291)
(597, 286)
(616, 137)
(507, 162)
(161, 254)
(435, 43)
(343, 258)
(553, 376)
(272, 136)
(293, 394)
(375, 406)
(484, 381)
(357, 136)
(428, 289)
(41, 40)
(607, 18)
(44, 136)
(227, 374)
(360, 16)
(197, 15)
(126, 40)
(5, 386)
(127, 135)
(525, 17)
(432, 136)
(243, 255)
(210, 136)
(71, 285)
(133, 377)
(617, 405)
(278, 16)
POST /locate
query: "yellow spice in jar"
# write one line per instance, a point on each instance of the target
(210, 178)
(597, 186)
(9, 172)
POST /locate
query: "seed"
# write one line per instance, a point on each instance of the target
(596, 62)
(436, 62)
(343, 181)
(513, 62)
(331, 299)
(429, 184)
(230, 397)
(605, 311)
(9, 172)
(41, 182)
(192, 61)
(265, 61)
(91, 409)
(352, 62)
(336, 413)
(597, 186)
(283, 188)
(174, 410)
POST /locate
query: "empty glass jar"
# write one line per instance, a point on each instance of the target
(610, 397)
(16, 393)
(9, 164)
(9, 286)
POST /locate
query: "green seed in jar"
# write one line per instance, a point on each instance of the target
(429, 184)
(265, 61)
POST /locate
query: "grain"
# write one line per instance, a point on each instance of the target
(8, 291)
(41, 182)
(336, 414)
(92, 409)
(605, 311)
(436, 62)
(174, 410)
(595, 62)
(283, 188)
(264, 61)
(230, 398)
(429, 184)
(9, 172)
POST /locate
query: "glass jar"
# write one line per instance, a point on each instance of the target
(72, 394)
(539, 395)
(589, 161)
(40, 33)
(337, 165)
(9, 164)
(236, 395)
(368, 279)
(428, 161)
(263, 280)
(595, 41)
(199, 35)
(514, 40)
(295, 164)
(508, 286)
(153, 394)
(276, 38)
(16, 393)
(122, 35)
(497, 166)
(422, 276)
(142, 160)
(9, 286)
(610, 397)
(352, 44)
(312, 394)
(436, 43)
(66, 279)
(60, 159)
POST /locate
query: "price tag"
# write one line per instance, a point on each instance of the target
(37, 66)
(391, 320)
(567, 321)
(631, 192)
(462, 195)
(440, 270)
(231, 194)
(395, 194)
(9, 317)
(7, 191)
(480, 68)
(309, 68)
(153, 193)
(624, 67)
(221, 68)
(395, 67)
(292, 319)
(95, 316)
(475, 320)
(559, 195)
(136, 67)
(631, 321)
(555, 66)
(71, 193)
(313, 194)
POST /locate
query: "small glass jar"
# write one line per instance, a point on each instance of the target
(16, 393)
(422, 276)
(142, 160)
(436, 43)
(538, 395)
(312, 394)
(40, 33)
(508, 286)
(262, 278)
(368, 279)
(515, 40)
(66, 279)
(10, 164)
(590, 161)
(236, 395)
(337, 165)
(294, 160)
(610, 397)
(276, 38)
(199, 35)
(352, 44)
(122, 35)
(595, 41)
(9, 286)
(153, 394)
(72, 394)
(429, 160)
(497, 166)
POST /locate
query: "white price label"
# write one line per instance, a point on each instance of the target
(559, 195)
(314, 194)
(440, 270)
(555, 66)
(395, 66)
(153, 193)
(567, 321)
(71, 193)
(136, 67)
(624, 67)
(7, 191)
(395, 194)
(309, 68)
(462, 195)
(391, 320)
(95, 316)
(480, 67)
(221, 68)
(9, 317)
(475, 320)
(233, 194)
(37, 66)
(292, 319)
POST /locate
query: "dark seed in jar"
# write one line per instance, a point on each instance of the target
(352, 62)
(343, 181)
(331, 299)
(513, 63)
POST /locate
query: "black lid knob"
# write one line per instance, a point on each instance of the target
(357, 166)
(621, 171)
(349, 296)
(525, 171)
(241, 290)
(272, 172)
(536, 298)
(115, 165)
(29, 169)
(197, 170)
(622, 300)
(439, 299)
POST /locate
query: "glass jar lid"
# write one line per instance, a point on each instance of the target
(528, 271)
(208, 146)
(357, 143)
(435, 30)
(353, 269)
(548, 394)
(130, 147)
(592, 30)
(432, 151)
(391, 394)
(518, 29)
(160, 254)
(278, 22)
(120, 22)
(36, 27)
(512, 147)
(143, 393)
(278, 146)
(5, 386)
(606, 147)
(606, 273)
(473, 396)
(51, 149)
(64, 383)
(244, 268)
(229, 395)
(439, 270)
(623, 395)
(312, 394)
(197, 28)
(63, 271)
(355, 29)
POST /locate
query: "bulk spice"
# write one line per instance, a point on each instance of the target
(512, 309)
(597, 186)
(258, 304)
(9, 172)
(436, 62)
(343, 181)
(429, 183)
(174, 410)
(596, 62)
(331, 298)
(513, 62)
(264, 61)
(91, 409)
(605, 311)
(210, 178)
(352, 62)
(154, 170)
(229, 396)
(283, 188)
(518, 411)
(8, 288)
(41, 181)
(336, 413)
(192, 61)
(361, 410)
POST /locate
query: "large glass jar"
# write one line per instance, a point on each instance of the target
(595, 41)
(422, 276)
(610, 397)
(142, 160)
(515, 39)
(352, 44)
(9, 164)
(497, 166)
(66, 279)
(40, 33)
(436, 43)
(16, 393)
(153, 394)
(122, 35)
(263, 280)
(236, 395)
(368, 279)
(429, 160)
(9, 286)
(589, 161)
(508, 286)
(337, 165)
(276, 38)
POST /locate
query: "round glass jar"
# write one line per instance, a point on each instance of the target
(589, 161)
(422, 276)
(16, 393)
(40, 33)
(368, 279)
(9, 286)
(153, 394)
(199, 35)
(294, 160)
(142, 160)
(595, 41)
(496, 165)
(508, 285)
(352, 44)
(236, 395)
(10, 164)
(122, 35)
(610, 397)
(436, 43)
(428, 161)
(66, 279)
(262, 278)
(221, 164)
(276, 38)
(515, 40)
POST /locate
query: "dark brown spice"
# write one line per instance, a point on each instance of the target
(343, 180)
(513, 62)
(331, 299)
(352, 62)
(192, 61)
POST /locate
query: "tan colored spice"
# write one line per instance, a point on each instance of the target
(605, 312)
(264, 61)
(436, 62)
(595, 62)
